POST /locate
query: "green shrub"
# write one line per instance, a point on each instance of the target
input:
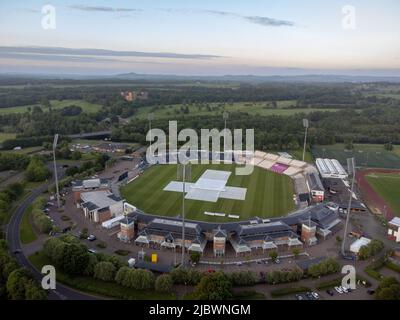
(164, 283)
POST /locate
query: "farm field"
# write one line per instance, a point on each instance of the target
(366, 155)
(255, 108)
(268, 194)
(56, 104)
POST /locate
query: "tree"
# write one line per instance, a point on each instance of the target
(37, 171)
(195, 257)
(273, 255)
(388, 289)
(16, 284)
(164, 283)
(104, 271)
(121, 276)
(296, 252)
(214, 286)
(33, 291)
(349, 144)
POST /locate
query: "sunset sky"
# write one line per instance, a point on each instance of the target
(204, 37)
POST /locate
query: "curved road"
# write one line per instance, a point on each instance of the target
(13, 239)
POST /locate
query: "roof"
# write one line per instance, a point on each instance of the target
(174, 226)
(314, 182)
(220, 233)
(395, 221)
(356, 245)
(100, 199)
(262, 228)
(90, 183)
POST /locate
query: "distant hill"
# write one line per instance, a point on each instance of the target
(325, 78)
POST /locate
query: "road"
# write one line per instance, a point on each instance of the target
(13, 239)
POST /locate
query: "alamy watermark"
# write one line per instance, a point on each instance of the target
(48, 21)
(197, 149)
(49, 278)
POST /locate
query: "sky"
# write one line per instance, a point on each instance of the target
(201, 37)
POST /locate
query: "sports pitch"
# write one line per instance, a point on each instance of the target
(366, 155)
(388, 187)
(267, 194)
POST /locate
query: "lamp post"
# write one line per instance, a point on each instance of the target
(305, 125)
(55, 169)
(352, 171)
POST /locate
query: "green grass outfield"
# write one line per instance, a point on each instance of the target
(55, 104)
(268, 194)
(388, 187)
(366, 155)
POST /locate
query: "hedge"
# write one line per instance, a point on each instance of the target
(286, 291)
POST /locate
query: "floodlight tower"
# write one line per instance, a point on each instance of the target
(225, 116)
(352, 172)
(305, 125)
(55, 169)
(185, 172)
(150, 117)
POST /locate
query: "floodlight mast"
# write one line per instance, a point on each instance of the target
(55, 169)
(183, 213)
(351, 169)
(150, 117)
(225, 116)
(305, 124)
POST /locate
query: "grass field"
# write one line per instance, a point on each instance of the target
(55, 104)
(255, 108)
(26, 232)
(388, 187)
(6, 136)
(366, 155)
(268, 194)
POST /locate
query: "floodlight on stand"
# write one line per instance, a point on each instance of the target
(352, 172)
(55, 141)
(305, 125)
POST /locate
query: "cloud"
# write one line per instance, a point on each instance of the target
(264, 21)
(59, 51)
(101, 9)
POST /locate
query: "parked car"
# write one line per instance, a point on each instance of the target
(91, 237)
(345, 290)
(277, 261)
(310, 296)
(17, 251)
(338, 290)
(315, 295)
(92, 251)
(299, 297)
(330, 292)
(371, 291)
